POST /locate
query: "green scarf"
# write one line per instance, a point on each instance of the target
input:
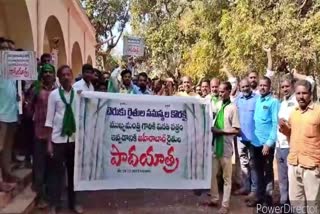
(69, 123)
(219, 124)
(214, 100)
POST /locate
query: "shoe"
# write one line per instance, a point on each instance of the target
(7, 187)
(78, 209)
(241, 191)
(223, 210)
(52, 210)
(251, 196)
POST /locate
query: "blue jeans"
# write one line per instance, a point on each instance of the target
(248, 173)
(264, 168)
(281, 156)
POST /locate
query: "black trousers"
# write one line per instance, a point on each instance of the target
(39, 167)
(265, 177)
(62, 161)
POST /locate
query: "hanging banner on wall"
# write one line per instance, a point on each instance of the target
(133, 46)
(151, 142)
(18, 65)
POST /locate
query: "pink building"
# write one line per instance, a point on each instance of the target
(60, 27)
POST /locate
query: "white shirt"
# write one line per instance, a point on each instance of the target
(55, 113)
(286, 107)
(81, 85)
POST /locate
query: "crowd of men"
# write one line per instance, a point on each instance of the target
(247, 116)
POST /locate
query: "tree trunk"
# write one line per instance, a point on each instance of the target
(105, 55)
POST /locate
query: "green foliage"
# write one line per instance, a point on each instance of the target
(109, 18)
(199, 36)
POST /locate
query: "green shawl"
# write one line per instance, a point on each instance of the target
(219, 124)
(69, 123)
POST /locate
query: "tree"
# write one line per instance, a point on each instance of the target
(203, 35)
(109, 18)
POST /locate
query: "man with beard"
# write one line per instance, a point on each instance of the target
(61, 127)
(246, 103)
(288, 104)
(253, 80)
(124, 85)
(142, 87)
(205, 88)
(303, 132)
(85, 84)
(187, 87)
(37, 108)
(265, 136)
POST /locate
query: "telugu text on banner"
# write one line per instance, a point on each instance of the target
(133, 46)
(18, 65)
(152, 142)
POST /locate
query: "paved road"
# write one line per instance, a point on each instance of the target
(150, 201)
(155, 202)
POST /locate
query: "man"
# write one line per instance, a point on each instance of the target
(246, 103)
(125, 85)
(158, 86)
(85, 84)
(8, 126)
(106, 75)
(303, 131)
(142, 87)
(45, 58)
(187, 87)
(60, 122)
(266, 123)
(205, 88)
(288, 104)
(214, 88)
(253, 80)
(37, 107)
(226, 126)
(12, 45)
(198, 90)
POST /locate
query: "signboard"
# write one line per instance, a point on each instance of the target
(133, 46)
(18, 65)
(133, 141)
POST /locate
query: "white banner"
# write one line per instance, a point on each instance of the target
(134, 141)
(133, 46)
(18, 65)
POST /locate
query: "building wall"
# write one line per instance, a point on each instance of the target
(25, 21)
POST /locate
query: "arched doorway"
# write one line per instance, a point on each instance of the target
(89, 60)
(15, 19)
(76, 59)
(53, 41)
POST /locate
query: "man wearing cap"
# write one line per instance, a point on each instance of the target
(37, 105)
